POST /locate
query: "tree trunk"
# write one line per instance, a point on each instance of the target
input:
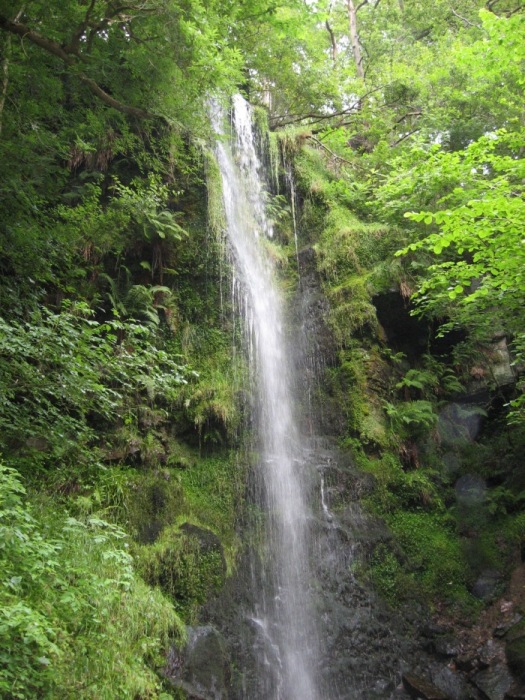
(332, 41)
(354, 38)
(5, 78)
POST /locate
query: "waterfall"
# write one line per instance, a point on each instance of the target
(287, 654)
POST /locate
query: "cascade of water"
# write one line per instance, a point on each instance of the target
(283, 615)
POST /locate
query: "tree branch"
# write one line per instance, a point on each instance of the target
(74, 44)
(48, 45)
(293, 119)
(285, 120)
(415, 113)
(332, 41)
(405, 136)
(5, 77)
(423, 34)
(328, 150)
(112, 102)
(464, 19)
(70, 59)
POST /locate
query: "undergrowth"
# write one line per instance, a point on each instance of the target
(75, 618)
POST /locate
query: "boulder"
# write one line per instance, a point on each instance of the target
(418, 687)
(445, 646)
(494, 682)
(466, 663)
(432, 629)
(516, 692)
(204, 669)
(451, 683)
(487, 585)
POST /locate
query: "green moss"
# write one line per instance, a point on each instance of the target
(425, 558)
(216, 215)
(211, 403)
(187, 563)
(347, 383)
(352, 385)
(389, 577)
(213, 490)
(310, 170)
(433, 556)
(153, 501)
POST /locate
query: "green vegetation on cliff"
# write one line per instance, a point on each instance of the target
(412, 199)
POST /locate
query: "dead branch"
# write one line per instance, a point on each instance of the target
(405, 136)
(328, 150)
(416, 113)
(464, 19)
(332, 41)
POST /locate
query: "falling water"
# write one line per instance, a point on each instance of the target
(283, 614)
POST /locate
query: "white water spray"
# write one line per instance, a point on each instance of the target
(284, 611)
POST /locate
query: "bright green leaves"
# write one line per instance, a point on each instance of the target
(418, 379)
(411, 417)
(61, 373)
(71, 606)
(479, 237)
(458, 289)
(146, 203)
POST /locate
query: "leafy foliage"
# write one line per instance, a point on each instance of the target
(74, 617)
(479, 233)
(63, 373)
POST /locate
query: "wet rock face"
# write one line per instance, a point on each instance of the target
(202, 670)
(364, 646)
(314, 350)
(515, 650)
(494, 682)
(418, 687)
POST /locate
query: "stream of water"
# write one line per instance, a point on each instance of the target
(283, 615)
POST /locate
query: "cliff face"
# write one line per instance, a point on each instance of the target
(424, 417)
(416, 540)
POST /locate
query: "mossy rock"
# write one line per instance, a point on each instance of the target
(206, 665)
(515, 649)
(153, 501)
(187, 563)
(373, 427)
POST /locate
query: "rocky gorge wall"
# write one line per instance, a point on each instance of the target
(419, 523)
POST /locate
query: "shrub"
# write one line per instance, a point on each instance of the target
(75, 620)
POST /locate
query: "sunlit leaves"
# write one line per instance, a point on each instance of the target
(478, 238)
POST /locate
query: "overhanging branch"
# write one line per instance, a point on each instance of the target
(112, 102)
(70, 59)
